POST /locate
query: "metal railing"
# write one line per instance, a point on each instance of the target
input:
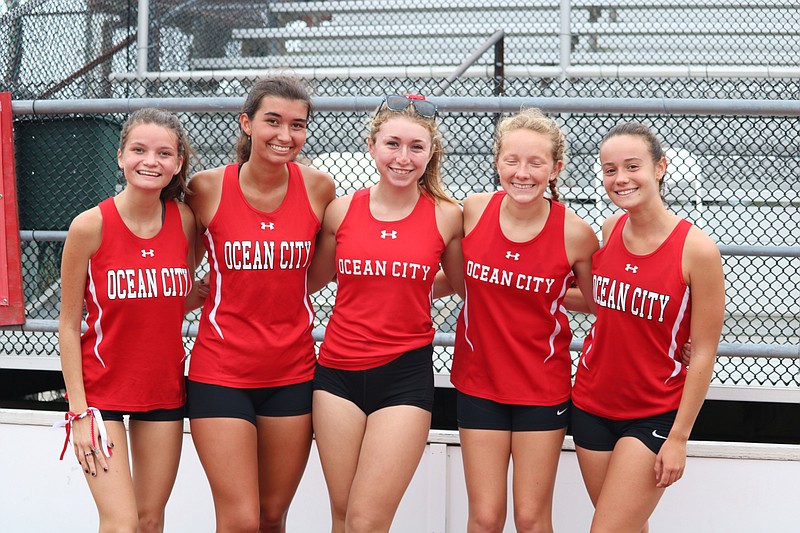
(445, 104)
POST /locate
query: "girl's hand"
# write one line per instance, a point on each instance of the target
(670, 462)
(686, 353)
(88, 447)
(203, 288)
(197, 296)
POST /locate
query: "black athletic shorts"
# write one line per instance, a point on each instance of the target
(156, 415)
(601, 434)
(407, 380)
(217, 401)
(478, 413)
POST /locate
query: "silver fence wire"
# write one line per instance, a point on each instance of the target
(737, 176)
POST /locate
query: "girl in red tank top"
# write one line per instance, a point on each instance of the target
(249, 388)
(384, 245)
(656, 281)
(130, 260)
(512, 364)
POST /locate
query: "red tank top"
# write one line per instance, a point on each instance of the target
(133, 355)
(385, 274)
(513, 335)
(630, 364)
(255, 329)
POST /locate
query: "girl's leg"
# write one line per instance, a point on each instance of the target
(228, 451)
(594, 465)
(339, 430)
(628, 493)
(283, 447)
(394, 441)
(155, 453)
(486, 454)
(113, 490)
(535, 455)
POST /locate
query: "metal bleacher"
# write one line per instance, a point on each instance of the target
(400, 33)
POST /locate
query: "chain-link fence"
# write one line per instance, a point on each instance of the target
(738, 182)
(737, 176)
(95, 48)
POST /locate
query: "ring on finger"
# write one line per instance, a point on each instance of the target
(87, 454)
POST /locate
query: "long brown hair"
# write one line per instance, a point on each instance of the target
(284, 87)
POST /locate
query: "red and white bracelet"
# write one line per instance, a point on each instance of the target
(96, 418)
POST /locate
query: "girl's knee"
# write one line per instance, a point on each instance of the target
(240, 522)
(151, 523)
(366, 522)
(487, 521)
(122, 520)
(273, 521)
(533, 523)
(119, 525)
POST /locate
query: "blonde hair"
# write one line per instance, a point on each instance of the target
(430, 183)
(534, 120)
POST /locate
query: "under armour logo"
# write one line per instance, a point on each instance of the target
(631, 268)
(515, 256)
(265, 225)
(392, 234)
(148, 253)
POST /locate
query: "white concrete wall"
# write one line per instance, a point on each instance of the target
(727, 488)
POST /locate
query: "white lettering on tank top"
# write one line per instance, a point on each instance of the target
(375, 267)
(617, 295)
(261, 255)
(141, 283)
(508, 278)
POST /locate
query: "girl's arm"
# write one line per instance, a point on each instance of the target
(450, 223)
(319, 187)
(704, 275)
(205, 191)
(442, 286)
(83, 240)
(323, 264)
(451, 278)
(580, 243)
(199, 291)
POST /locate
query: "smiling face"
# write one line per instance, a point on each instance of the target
(277, 129)
(149, 158)
(401, 150)
(631, 176)
(525, 165)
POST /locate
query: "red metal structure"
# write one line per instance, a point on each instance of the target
(12, 309)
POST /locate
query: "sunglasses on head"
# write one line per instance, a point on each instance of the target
(398, 102)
